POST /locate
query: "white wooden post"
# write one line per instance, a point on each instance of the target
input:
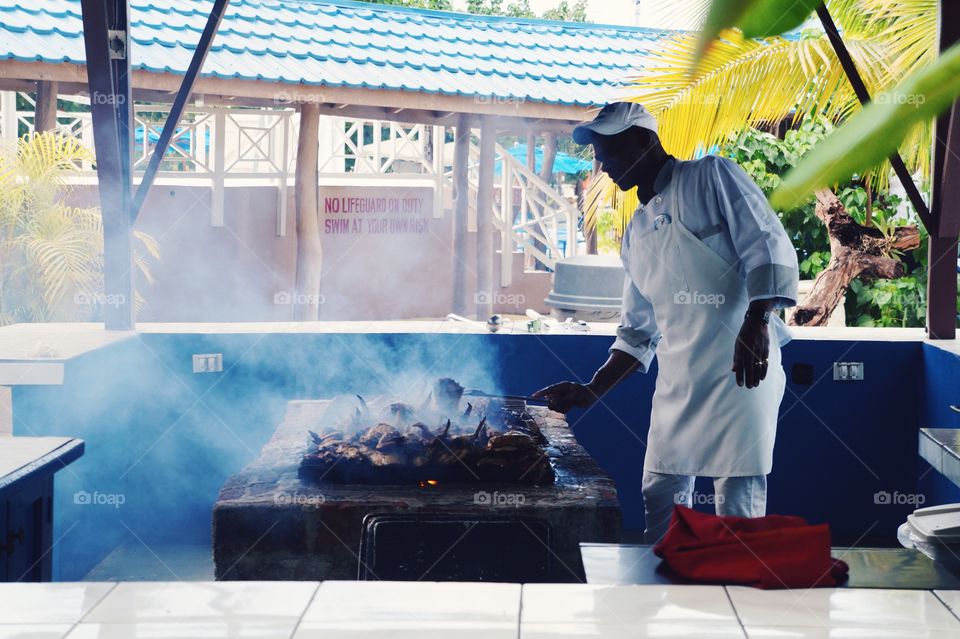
(8, 109)
(284, 165)
(506, 221)
(439, 145)
(219, 167)
(488, 141)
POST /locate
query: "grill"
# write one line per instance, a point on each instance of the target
(446, 438)
(273, 520)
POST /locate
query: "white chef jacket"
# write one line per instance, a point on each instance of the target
(728, 212)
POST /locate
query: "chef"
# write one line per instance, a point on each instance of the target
(707, 263)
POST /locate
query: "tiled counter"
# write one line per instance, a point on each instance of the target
(940, 447)
(336, 610)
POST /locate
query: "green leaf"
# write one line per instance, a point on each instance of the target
(723, 14)
(756, 18)
(767, 18)
(875, 132)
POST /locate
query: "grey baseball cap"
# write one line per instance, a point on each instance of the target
(614, 118)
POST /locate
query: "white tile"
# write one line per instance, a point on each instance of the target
(232, 629)
(841, 607)
(624, 605)
(789, 632)
(397, 604)
(951, 598)
(649, 630)
(34, 630)
(49, 602)
(426, 630)
(132, 602)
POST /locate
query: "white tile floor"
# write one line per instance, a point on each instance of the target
(341, 610)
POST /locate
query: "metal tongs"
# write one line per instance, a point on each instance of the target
(474, 392)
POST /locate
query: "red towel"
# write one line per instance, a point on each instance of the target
(775, 551)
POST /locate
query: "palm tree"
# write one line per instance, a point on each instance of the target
(51, 253)
(743, 82)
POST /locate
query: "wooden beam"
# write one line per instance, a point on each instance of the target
(306, 299)
(506, 124)
(549, 156)
(532, 151)
(179, 103)
(942, 287)
(942, 242)
(105, 28)
(461, 211)
(45, 109)
(484, 295)
(298, 94)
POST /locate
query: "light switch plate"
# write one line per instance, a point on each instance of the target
(208, 362)
(848, 371)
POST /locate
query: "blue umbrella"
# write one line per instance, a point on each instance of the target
(565, 163)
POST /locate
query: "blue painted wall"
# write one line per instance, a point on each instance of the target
(941, 373)
(166, 439)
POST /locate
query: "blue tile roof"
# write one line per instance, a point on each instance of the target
(353, 44)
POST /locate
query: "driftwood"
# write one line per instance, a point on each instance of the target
(855, 251)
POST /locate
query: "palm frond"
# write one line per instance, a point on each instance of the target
(51, 253)
(742, 82)
(746, 81)
(669, 15)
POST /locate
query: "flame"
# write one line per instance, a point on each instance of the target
(429, 482)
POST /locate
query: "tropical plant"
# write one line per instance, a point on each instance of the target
(766, 158)
(51, 253)
(882, 126)
(740, 82)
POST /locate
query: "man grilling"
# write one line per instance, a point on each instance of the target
(707, 264)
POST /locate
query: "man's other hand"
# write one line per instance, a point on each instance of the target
(563, 396)
(750, 353)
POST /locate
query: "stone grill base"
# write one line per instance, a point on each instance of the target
(268, 524)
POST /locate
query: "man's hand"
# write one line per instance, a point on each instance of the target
(566, 395)
(750, 353)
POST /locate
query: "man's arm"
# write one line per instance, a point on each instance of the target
(637, 339)
(566, 395)
(767, 260)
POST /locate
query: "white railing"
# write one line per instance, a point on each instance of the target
(219, 146)
(532, 217)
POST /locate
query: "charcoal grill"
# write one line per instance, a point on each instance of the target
(269, 523)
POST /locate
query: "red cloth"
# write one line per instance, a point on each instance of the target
(775, 551)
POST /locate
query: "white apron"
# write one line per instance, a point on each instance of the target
(702, 423)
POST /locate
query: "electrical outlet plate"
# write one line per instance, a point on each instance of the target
(848, 371)
(208, 362)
